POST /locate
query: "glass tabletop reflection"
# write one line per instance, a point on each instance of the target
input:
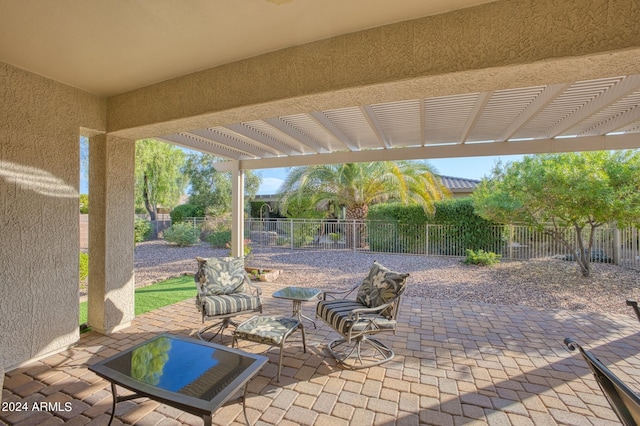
(297, 293)
(183, 367)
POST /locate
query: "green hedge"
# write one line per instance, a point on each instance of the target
(477, 233)
(183, 211)
(396, 227)
(407, 232)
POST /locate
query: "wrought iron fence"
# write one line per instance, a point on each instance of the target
(510, 241)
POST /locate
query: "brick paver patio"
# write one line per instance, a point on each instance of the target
(456, 364)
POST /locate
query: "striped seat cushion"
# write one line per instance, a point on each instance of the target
(228, 304)
(336, 313)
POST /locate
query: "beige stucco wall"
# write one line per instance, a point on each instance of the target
(111, 242)
(39, 178)
(509, 43)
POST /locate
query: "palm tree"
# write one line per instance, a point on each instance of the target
(355, 186)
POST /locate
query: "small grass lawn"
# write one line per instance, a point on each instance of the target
(156, 295)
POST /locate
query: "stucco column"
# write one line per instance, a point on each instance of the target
(237, 211)
(111, 217)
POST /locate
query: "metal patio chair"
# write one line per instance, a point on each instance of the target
(374, 311)
(224, 291)
(624, 401)
(634, 305)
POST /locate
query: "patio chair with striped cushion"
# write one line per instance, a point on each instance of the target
(374, 311)
(224, 291)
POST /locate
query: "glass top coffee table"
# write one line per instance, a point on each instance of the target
(191, 375)
(298, 295)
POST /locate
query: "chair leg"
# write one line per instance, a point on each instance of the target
(221, 327)
(280, 360)
(362, 352)
(304, 340)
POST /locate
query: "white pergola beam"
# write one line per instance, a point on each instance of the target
(236, 143)
(547, 96)
(538, 146)
(208, 146)
(251, 133)
(370, 116)
(619, 122)
(296, 134)
(476, 113)
(623, 88)
(337, 134)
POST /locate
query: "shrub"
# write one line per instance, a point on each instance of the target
(84, 266)
(142, 230)
(462, 228)
(219, 239)
(303, 235)
(182, 234)
(214, 225)
(84, 203)
(246, 248)
(481, 257)
(183, 211)
(478, 233)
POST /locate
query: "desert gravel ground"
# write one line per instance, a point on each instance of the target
(543, 283)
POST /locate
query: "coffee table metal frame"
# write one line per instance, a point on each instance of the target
(189, 404)
(298, 295)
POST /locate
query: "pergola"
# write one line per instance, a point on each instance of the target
(271, 84)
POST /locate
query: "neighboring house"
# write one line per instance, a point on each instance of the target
(459, 187)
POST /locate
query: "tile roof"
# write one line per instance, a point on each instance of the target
(456, 184)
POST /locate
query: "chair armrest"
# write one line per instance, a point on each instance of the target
(354, 315)
(200, 289)
(634, 305)
(331, 293)
(252, 288)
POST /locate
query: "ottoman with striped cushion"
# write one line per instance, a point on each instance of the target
(269, 330)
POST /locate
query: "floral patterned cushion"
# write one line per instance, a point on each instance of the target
(219, 276)
(381, 286)
(265, 329)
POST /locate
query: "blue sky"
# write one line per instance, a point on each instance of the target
(468, 167)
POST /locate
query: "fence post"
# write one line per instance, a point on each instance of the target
(634, 246)
(426, 249)
(291, 231)
(354, 236)
(510, 242)
(616, 246)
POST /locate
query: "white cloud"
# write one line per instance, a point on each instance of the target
(270, 186)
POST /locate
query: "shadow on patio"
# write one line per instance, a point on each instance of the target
(456, 363)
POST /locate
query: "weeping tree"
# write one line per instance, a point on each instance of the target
(211, 189)
(158, 174)
(356, 186)
(556, 193)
